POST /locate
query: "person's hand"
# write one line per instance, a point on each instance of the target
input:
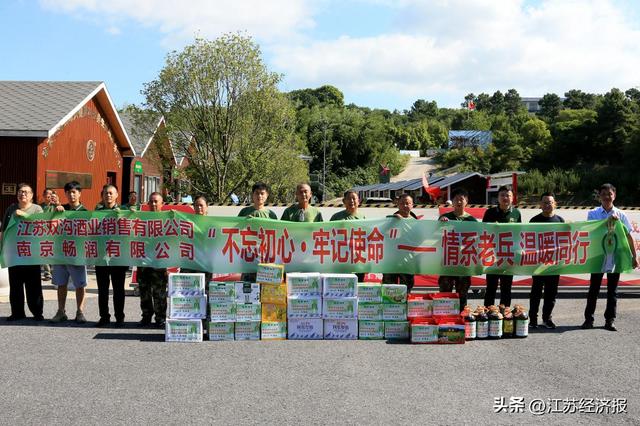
(20, 213)
(59, 208)
(614, 217)
(444, 219)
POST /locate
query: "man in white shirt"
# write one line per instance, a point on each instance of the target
(607, 211)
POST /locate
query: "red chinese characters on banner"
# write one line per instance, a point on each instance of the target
(341, 246)
(536, 248)
(554, 247)
(24, 248)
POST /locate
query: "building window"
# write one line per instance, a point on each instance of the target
(151, 185)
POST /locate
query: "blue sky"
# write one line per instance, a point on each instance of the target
(380, 53)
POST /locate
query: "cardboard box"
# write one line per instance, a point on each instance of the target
(222, 311)
(370, 330)
(446, 304)
(304, 284)
(186, 284)
(273, 293)
(341, 329)
(370, 311)
(394, 293)
(247, 330)
(274, 330)
(369, 293)
(396, 330)
(419, 306)
(339, 285)
(424, 332)
(187, 307)
(220, 292)
(219, 331)
(248, 312)
(304, 307)
(450, 329)
(344, 308)
(305, 329)
(247, 292)
(269, 273)
(183, 330)
(394, 311)
(272, 312)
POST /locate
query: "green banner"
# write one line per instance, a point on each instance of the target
(235, 244)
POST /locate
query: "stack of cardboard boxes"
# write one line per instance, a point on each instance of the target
(274, 302)
(187, 308)
(340, 306)
(304, 306)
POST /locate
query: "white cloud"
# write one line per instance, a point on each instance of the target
(443, 49)
(440, 49)
(180, 20)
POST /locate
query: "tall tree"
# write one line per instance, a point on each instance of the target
(235, 123)
(577, 99)
(512, 102)
(550, 106)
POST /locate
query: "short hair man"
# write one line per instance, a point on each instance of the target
(446, 283)
(302, 211)
(351, 203)
(132, 201)
(78, 273)
(405, 205)
(114, 275)
(607, 211)
(259, 196)
(504, 212)
(152, 282)
(547, 282)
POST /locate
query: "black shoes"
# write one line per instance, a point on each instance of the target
(103, 322)
(145, 322)
(610, 325)
(549, 324)
(160, 324)
(533, 323)
(16, 317)
(587, 325)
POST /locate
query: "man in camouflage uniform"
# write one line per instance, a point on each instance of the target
(152, 282)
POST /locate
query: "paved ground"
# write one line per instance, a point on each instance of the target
(416, 167)
(80, 374)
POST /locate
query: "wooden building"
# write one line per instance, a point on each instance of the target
(55, 132)
(152, 168)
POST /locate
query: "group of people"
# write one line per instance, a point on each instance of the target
(152, 282)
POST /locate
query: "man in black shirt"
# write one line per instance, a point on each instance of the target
(548, 282)
(504, 212)
(460, 198)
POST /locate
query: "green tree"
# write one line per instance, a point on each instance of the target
(236, 125)
(512, 102)
(550, 106)
(422, 109)
(577, 99)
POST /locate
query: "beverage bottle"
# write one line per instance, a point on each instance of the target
(495, 323)
(507, 323)
(482, 323)
(521, 319)
(469, 323)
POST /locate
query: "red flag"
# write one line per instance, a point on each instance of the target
(433, 192)
(471, 105)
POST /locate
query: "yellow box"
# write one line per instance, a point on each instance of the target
(269, 273)
(272, 312)
(273, 293)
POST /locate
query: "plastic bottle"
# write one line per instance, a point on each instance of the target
(521, 319)
(495, 323)
(507, 323)
(482, 323)
(469, 323)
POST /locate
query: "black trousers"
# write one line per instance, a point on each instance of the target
(492, 286)
(594, 291)
(550, 285)
(27, 278)
(115, 274)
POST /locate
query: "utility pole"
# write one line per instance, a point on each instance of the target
(324, 162)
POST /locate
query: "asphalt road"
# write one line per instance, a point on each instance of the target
(72, 374)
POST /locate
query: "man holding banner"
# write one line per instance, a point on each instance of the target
(504, 212)
(607, 211)
(548, 282)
